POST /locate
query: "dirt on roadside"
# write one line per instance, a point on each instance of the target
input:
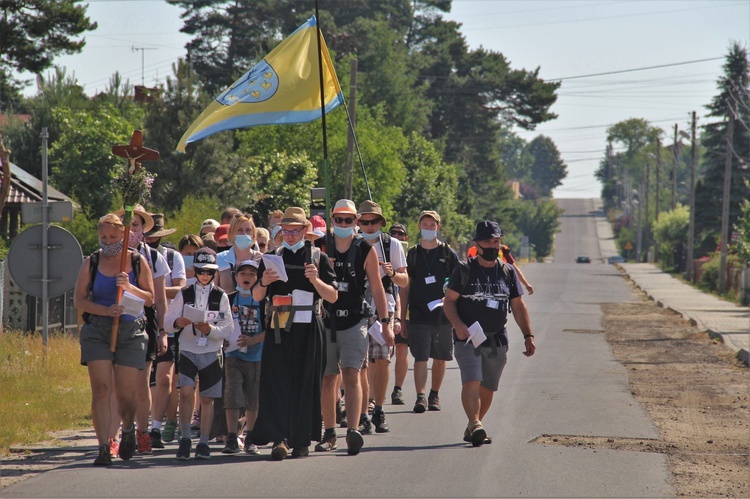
(696, 392)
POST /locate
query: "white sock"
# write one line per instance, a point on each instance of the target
(156, 425)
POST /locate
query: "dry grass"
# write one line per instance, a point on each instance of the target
(41, 391)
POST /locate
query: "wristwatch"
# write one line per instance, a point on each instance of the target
(385, 320)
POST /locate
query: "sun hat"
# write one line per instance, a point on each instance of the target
(372, 208)
(294, 216)
(158, 229)
(209, 223)
(487, 230)
(429, 213)
(205, 258)
(345, 206)
(148, 222)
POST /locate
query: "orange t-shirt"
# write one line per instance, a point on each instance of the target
(504, 253)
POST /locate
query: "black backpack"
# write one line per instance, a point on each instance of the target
(94, 266)
(411, 257)
(463, 267)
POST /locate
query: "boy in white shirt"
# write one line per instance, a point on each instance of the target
(200, 345)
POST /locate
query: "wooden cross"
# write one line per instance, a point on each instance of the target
(135, 153)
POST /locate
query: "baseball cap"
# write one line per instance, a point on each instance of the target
(205, 258)
(247, 263)
(400, 227)
(487, 230)
(318, 225)
(221, 234)
(209, 223)
(429, 213)
(345, 206)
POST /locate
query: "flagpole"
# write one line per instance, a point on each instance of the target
(327, 215)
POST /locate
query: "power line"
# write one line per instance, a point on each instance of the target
(645, 68)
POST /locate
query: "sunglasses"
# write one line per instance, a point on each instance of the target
(369, 222)
(341, 220)
(291, 232)
(398, 233)
(205, 271)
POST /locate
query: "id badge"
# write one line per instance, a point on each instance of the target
(494, 304)
(202, 341)
(430, 279)
(343, 286)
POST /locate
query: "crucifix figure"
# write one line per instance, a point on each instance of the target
(135, 153)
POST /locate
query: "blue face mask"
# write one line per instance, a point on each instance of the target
(428, 235)
(242, 241)
(243, 292)
(371, 237)
(296, 246)
(188, 259)
(343, 232)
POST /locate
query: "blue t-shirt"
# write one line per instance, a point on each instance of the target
(104, 292)
(246, 317)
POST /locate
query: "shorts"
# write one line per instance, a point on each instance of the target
(476, 364)
(400, 340)
(131, 342)
(206, 365)
(350, 349)
(153, 333)
(242, 384)
(378, 351)
(430, 342)
(170, 354)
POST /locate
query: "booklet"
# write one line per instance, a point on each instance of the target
(435, 304)
(376, 331)
(132, 305)
(193, 314)
(276, 263)
(232, 340)
(476, 335)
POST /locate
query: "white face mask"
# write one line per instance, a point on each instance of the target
(242, 291)
(429, 235)
(243, 241)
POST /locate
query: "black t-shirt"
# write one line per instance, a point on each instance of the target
(294, 263)
(428, 271)
(351, 287)
(485, 297)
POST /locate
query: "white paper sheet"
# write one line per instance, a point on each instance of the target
(476, 335)
(435, 304)
(276, 263)
(132, 305)
(376, 331)
(193, 314)
(233, 337)
(300, 297)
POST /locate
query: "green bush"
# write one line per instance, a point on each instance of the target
(709, 280)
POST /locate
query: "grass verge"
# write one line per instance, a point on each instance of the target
(42, 389)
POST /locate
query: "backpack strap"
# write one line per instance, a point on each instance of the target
(170, 258)
(386, 280)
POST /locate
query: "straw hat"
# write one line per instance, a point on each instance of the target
(148, 222)
(294, 216)
(158, 230)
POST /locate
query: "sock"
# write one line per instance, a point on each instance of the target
(330, 431)
(365, 416)
(128, 431)
(156, 425)
(433, 393)
(204, 439)
(396, 388)
(185, 429)
(378, 408)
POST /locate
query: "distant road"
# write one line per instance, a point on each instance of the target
(571, 387)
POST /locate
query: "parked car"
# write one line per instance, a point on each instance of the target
(583, 259)
(615, 259)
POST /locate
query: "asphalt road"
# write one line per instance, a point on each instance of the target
(572, 386)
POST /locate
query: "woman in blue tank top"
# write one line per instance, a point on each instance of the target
(112, 372)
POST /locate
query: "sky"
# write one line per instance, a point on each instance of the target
(650, 59)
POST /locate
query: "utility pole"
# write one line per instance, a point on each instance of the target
(639, 235)
(658, 191)
(675, 153)
(143, 61)
(645, 189)
(725, 203)
(691, 227)
(352, 122)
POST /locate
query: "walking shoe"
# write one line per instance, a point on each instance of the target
(327, 444)
(232, 446)
(301, 451)
(378, 419)
(127, 445)
(202, 451)
(434, 403)
(155, 439)
(114, 447)
(183, 453)
(279, 451)
(365, 425)
(397, 397)
(421, 404)
(342, 423)
(104, 458)
(370, 407)
(144, 443)
(169, 429)
(195, 424)
(251, 448)
(354, 442)
(339, 411)
(477, 434)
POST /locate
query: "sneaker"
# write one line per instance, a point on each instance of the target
(183, 453)
(365, 425)
(232, 446)
(434, 403)
(421, 404)
(202, 451)
(169, 430)
(195, 424)
(343, 423)
(370, 407)
(301, 451)
(478, 434)
(397, 397)
(144, 443)
(339, 411)
(114, 447)
(104, 458)
(251, 448)
(279, 451)
(354, 442)
(378, 419)
(155, 436)
(127, 445)
(327, 444)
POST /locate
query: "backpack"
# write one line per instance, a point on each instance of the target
(94, 266)
(463, 267)
(411, 257)
(214, 299)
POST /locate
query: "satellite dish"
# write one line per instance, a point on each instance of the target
(64, 259)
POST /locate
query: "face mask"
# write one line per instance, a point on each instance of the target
(111, 249)
(371, 237)
(343, 232)
(243, 292)
(135, 239)
(188, 259)
(428, 235)
(242, 241)
(489, 254)
(296, 246)
(155, 245)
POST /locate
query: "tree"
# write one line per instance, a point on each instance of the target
(547, 167)
(33, 34)
(670, 231)
(732, 102)
(539, 220)
(743, 228)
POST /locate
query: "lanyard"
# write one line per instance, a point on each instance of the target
(487, 276)
(429, 264)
